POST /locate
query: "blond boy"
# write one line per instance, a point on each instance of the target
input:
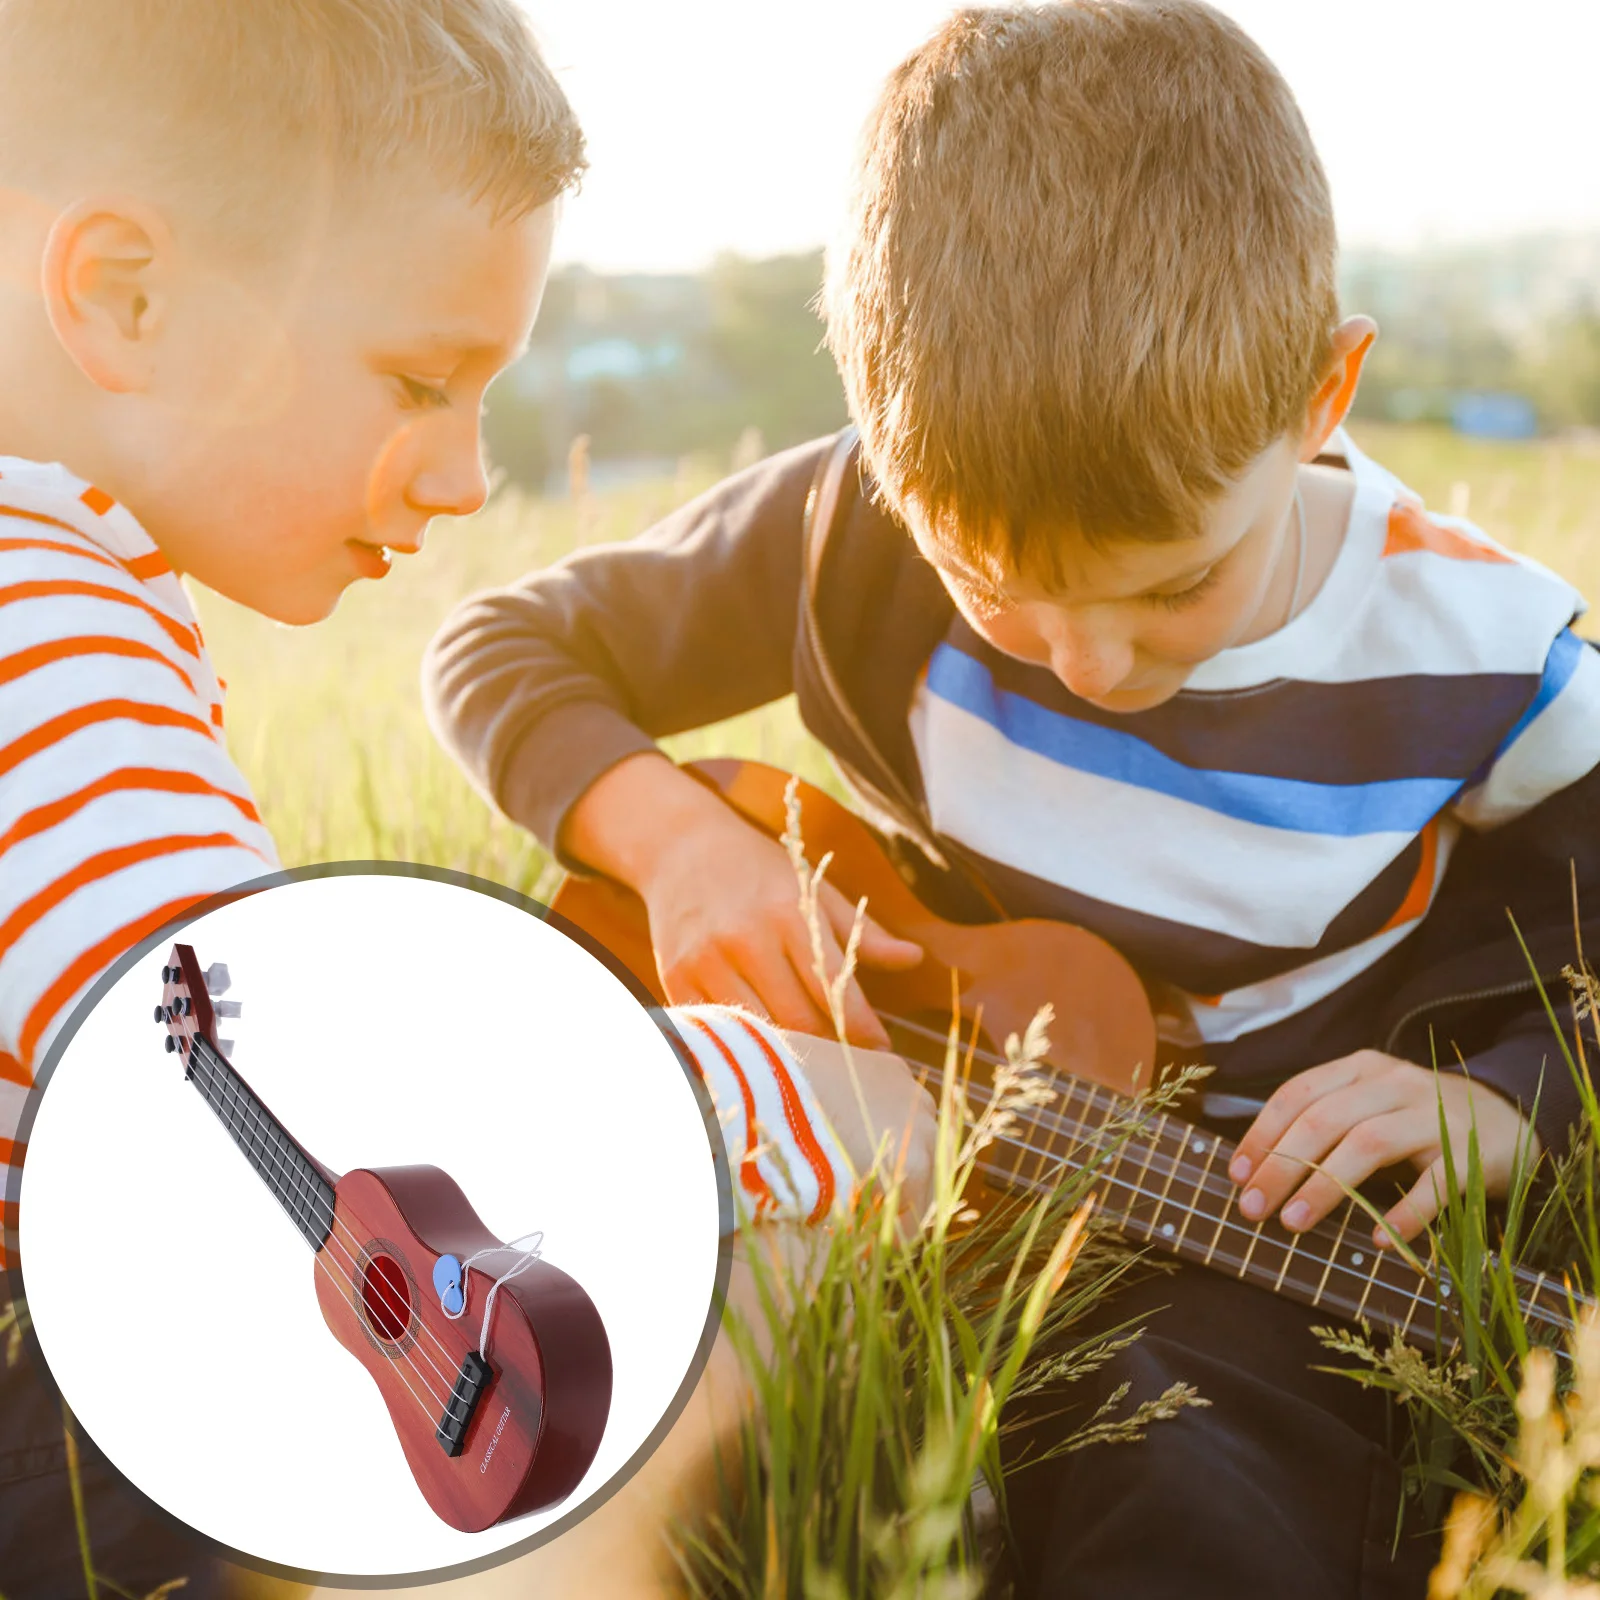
(258, 264)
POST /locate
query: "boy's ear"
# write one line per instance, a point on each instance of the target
(1352, 339)
(105, 278)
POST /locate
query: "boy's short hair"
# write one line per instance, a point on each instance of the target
(237, 108)
(1088, 276)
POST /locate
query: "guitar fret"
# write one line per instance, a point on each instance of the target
(1537, 1289)
(1139, 1190)
(1199, 1189)
(1333, 1255)
(1255, 1239)
(1372, 1278)
(1166, 1188)
(1045, 1152)
(1416, 1300)
(1110, 1176)
(266, 1145)
(1288, 1256)
(1050, 1157)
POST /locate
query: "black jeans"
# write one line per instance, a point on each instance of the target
(1284, 1485)
(133, 1545)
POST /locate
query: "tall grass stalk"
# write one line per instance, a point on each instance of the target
(1506, 1434)
(881, 1362)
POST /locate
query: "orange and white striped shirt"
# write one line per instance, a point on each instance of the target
(786, 1162)
(119, 804)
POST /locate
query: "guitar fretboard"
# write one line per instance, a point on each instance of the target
(1164, 1182)
(283, 1166)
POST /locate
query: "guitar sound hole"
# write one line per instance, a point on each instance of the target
(386, 1297)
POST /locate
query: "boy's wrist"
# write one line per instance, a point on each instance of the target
(627, 820)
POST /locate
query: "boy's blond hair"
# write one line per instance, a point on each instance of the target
(239, 110)
(1088, 276)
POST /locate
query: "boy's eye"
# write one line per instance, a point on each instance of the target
(424, 396)
(1177, 599)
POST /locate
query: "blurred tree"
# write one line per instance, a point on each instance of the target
(764, 340)
(1563, 376)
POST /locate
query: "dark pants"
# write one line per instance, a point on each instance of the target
(131, 1544)
(1284, 1486)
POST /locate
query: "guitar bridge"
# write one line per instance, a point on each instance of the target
(463, 1403)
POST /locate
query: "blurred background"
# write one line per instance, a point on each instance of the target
(1464, 163)
(677, 339)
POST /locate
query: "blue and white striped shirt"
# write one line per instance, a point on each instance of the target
(1270, 833)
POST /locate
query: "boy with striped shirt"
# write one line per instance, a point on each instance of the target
(260, 263)
(1107, 620)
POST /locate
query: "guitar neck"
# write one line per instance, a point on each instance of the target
(296, 1181)
(1164, 1182)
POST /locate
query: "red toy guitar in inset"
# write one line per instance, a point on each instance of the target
(497, 1378)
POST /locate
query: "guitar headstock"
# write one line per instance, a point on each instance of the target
(188, 1010)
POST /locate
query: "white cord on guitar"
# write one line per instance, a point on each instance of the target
(529, 1256)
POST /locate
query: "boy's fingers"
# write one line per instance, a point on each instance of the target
(785, 998)
(1284, 1108)
(1421, 1203)
(878, 947)
(720, 983)
(1359, 1121)
(861, 1025)
(1371, 1144)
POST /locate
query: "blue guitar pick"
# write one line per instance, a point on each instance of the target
(447, 1283)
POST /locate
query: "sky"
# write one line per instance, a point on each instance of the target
(718, 125)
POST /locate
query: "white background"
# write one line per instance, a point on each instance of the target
(724, 125)
(387, 1020)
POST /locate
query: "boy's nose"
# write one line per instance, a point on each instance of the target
(453, 484)
(1090, 664)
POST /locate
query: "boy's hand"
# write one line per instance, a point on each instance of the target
(722, 898)
(892, 1110)
(1361, 1113)
(726, 924)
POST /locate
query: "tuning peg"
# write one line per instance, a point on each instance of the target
(216, 978)
(228, 1008)
(226, 1047)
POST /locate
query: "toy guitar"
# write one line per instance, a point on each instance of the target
(497, 1379)
(1166, 1183)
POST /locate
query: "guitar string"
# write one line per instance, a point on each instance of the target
(351, 1257)
(399, 1309)
(390, 1300)
(1099, 1096)
(392, 1303)
(328, 1272)
(1372, 1279)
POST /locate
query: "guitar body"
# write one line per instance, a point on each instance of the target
(537, 1422)
(1103, 1028)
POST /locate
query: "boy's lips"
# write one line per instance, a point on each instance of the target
(374, 559)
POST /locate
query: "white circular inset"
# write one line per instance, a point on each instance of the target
(387, 1021)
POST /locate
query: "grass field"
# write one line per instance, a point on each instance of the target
(327, 723)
